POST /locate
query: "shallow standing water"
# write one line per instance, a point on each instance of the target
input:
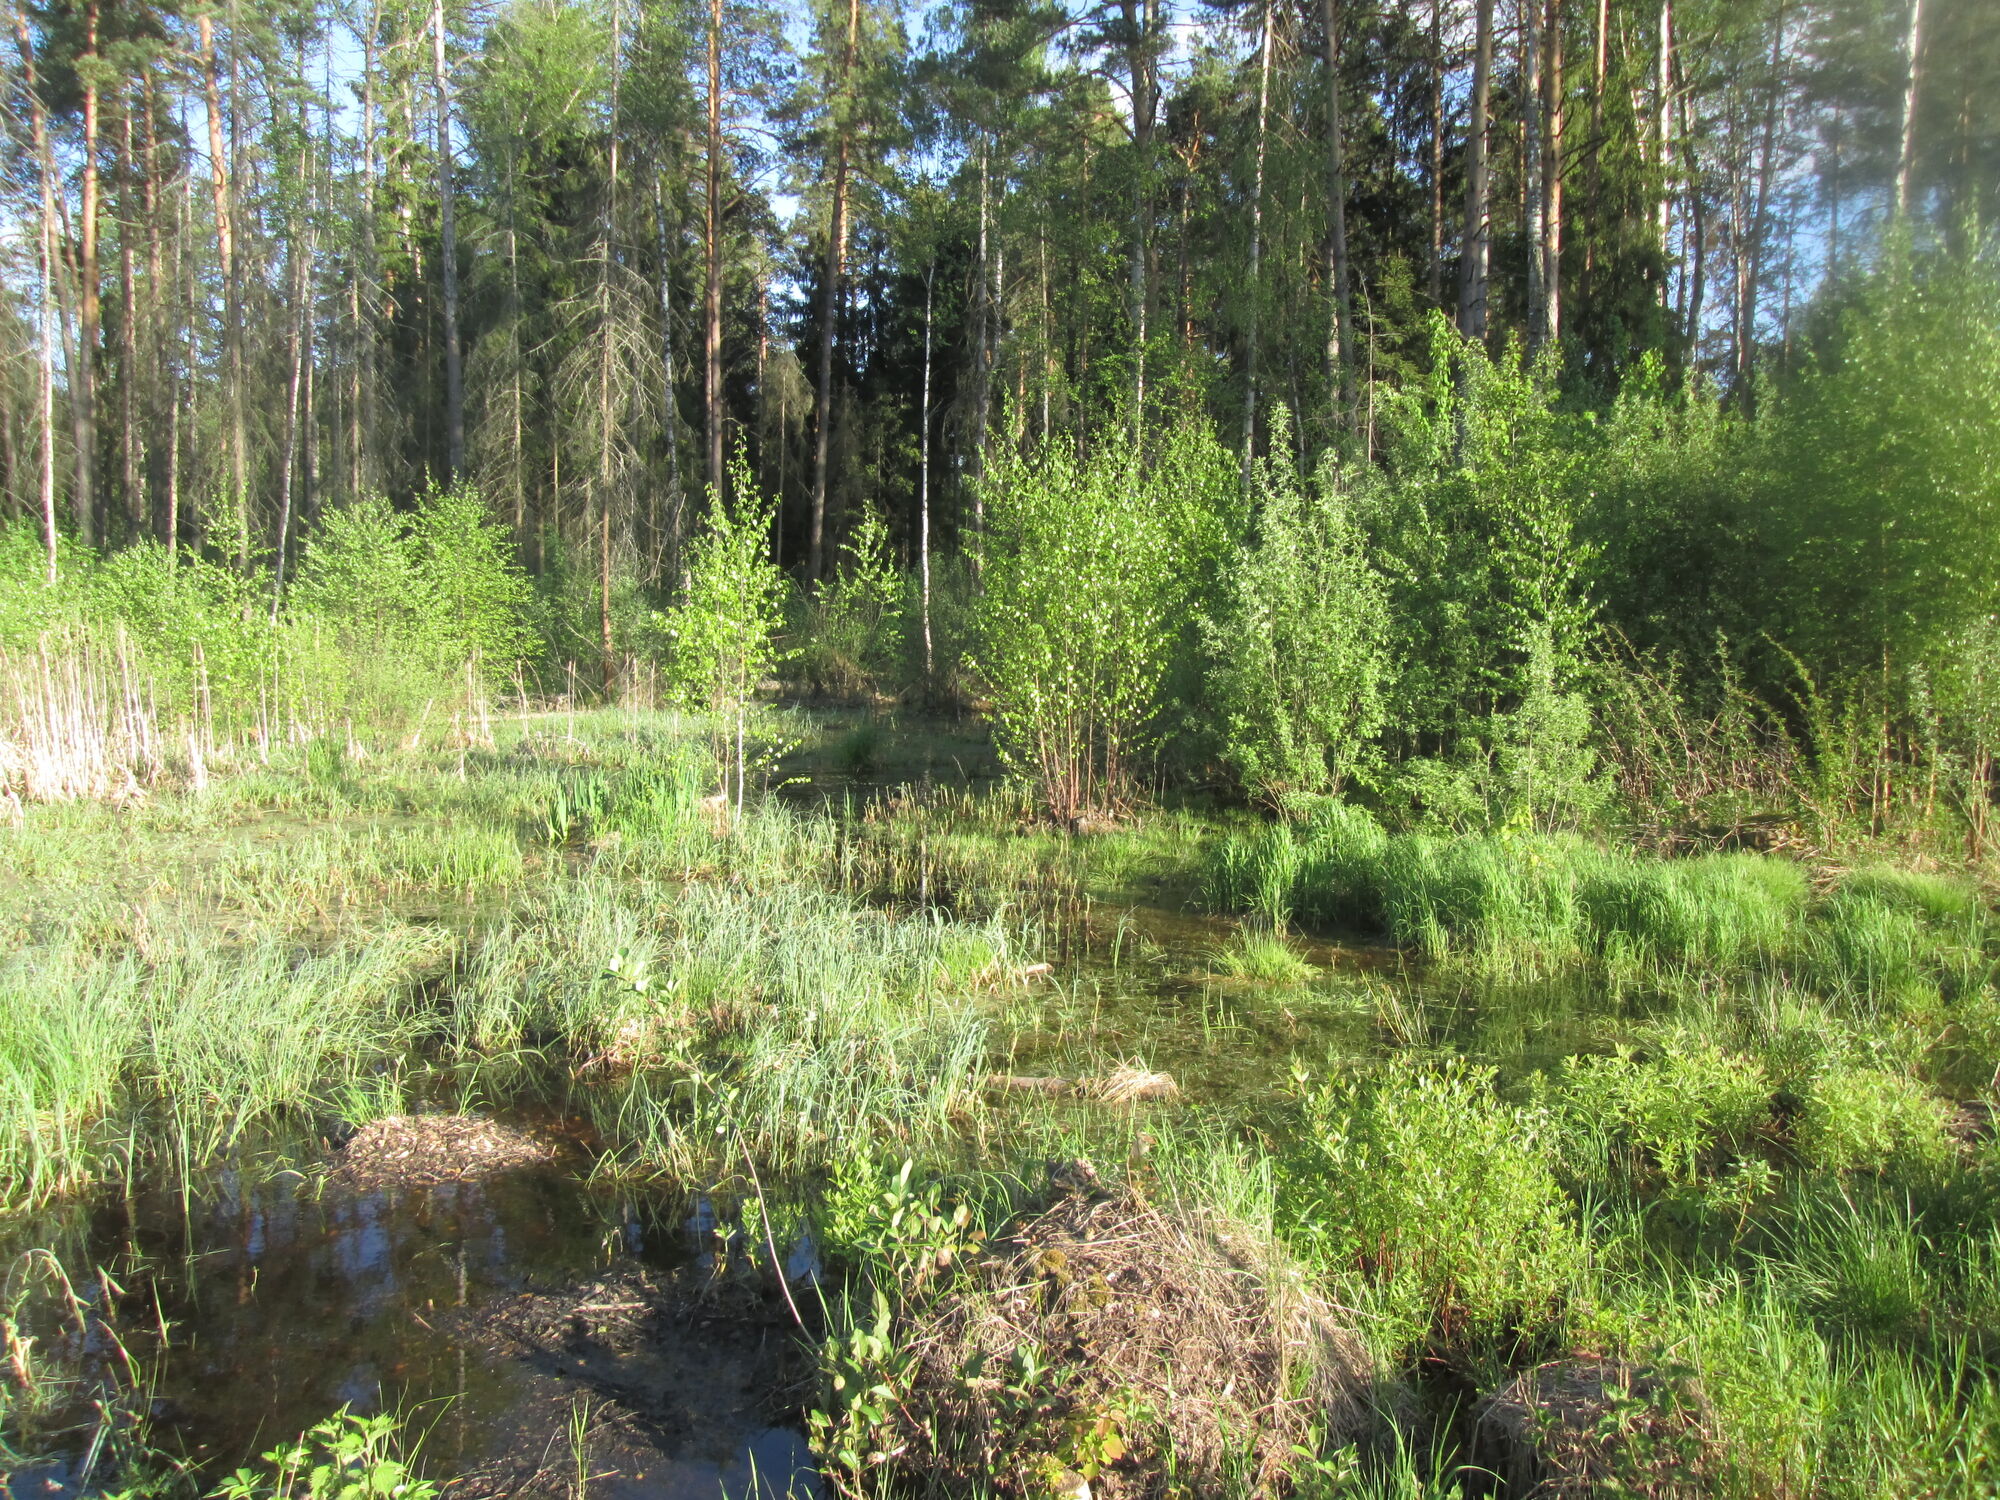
(500, 1317)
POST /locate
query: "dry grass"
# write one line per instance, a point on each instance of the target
(425, 1150)
(1575, 1429)
(76, 721)
(1186, 1339)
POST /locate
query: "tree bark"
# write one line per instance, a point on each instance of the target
(1340, 346)
(1532, 204)
(829, 307)
(1256, 286)
(924, 478)
(712, 293)
(232, 317)
(83, 392)
(1751, 277)
(45, 340)
(669, 408)
(1906, 159)
(1140, 20)
(1437, 153)
(1554, 117)
(128, 331)
(454, 370)
(1477, 238)
(605, 419)
(1663, 91)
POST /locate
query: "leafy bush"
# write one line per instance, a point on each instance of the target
(1092, 570)
(850, 631)
(723, 635)
(1296, 648)
(1434, 1202)
(1681, 1111)
(1866, 1120)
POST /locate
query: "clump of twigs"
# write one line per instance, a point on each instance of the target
(1113, 1343)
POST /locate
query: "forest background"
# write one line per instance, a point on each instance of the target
(1486, 408)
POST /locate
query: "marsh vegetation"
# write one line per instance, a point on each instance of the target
(1235, 880)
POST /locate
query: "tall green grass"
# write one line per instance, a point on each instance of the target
(1537, 905)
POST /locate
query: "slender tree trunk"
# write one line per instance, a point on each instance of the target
(1555, 121)
(1256, 285)
(1533, 206)
(1477, 239)
(365, 279)
(924, 479)
(712, 294)
(1594, 174)
(1140, 22)
(297, 356)
(605, 420)
(1340, 346)
(83, 383)
(1663, 90)
(1752, 276)
(128, 332)
(669, 407)
(983, 316)
(454, 371)
(1906, 159)
(45, 269)
(829, 307)
(232, 316)
(1437, 153)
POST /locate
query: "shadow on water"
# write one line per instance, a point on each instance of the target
(503, 1319)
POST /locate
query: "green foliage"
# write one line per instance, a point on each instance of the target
(1092, 571)
(851, 629)
(1475, 527)
(1683, 1110)
(1878, 502)
(388, 611)
(723, 635)
(1296, 647)
(346, 1457)
(1434, 1203)
(1867, 1120)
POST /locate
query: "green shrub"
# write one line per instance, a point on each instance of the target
(1865, 1120)
(1681, 1111)
(1092, 572)
(723, 635)
(1296, 650)
(1435, 1203)
(848, 633)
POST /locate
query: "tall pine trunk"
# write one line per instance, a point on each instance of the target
(1256, 286)
(711, 379)
(454, 370)
(232, 305)
(1340, 344)
(83, 374)
(1906, 158)
(829, 307)
(1476, 245)
(45, 268)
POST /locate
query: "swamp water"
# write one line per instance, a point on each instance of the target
(529, 1327)
(542, 1332)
